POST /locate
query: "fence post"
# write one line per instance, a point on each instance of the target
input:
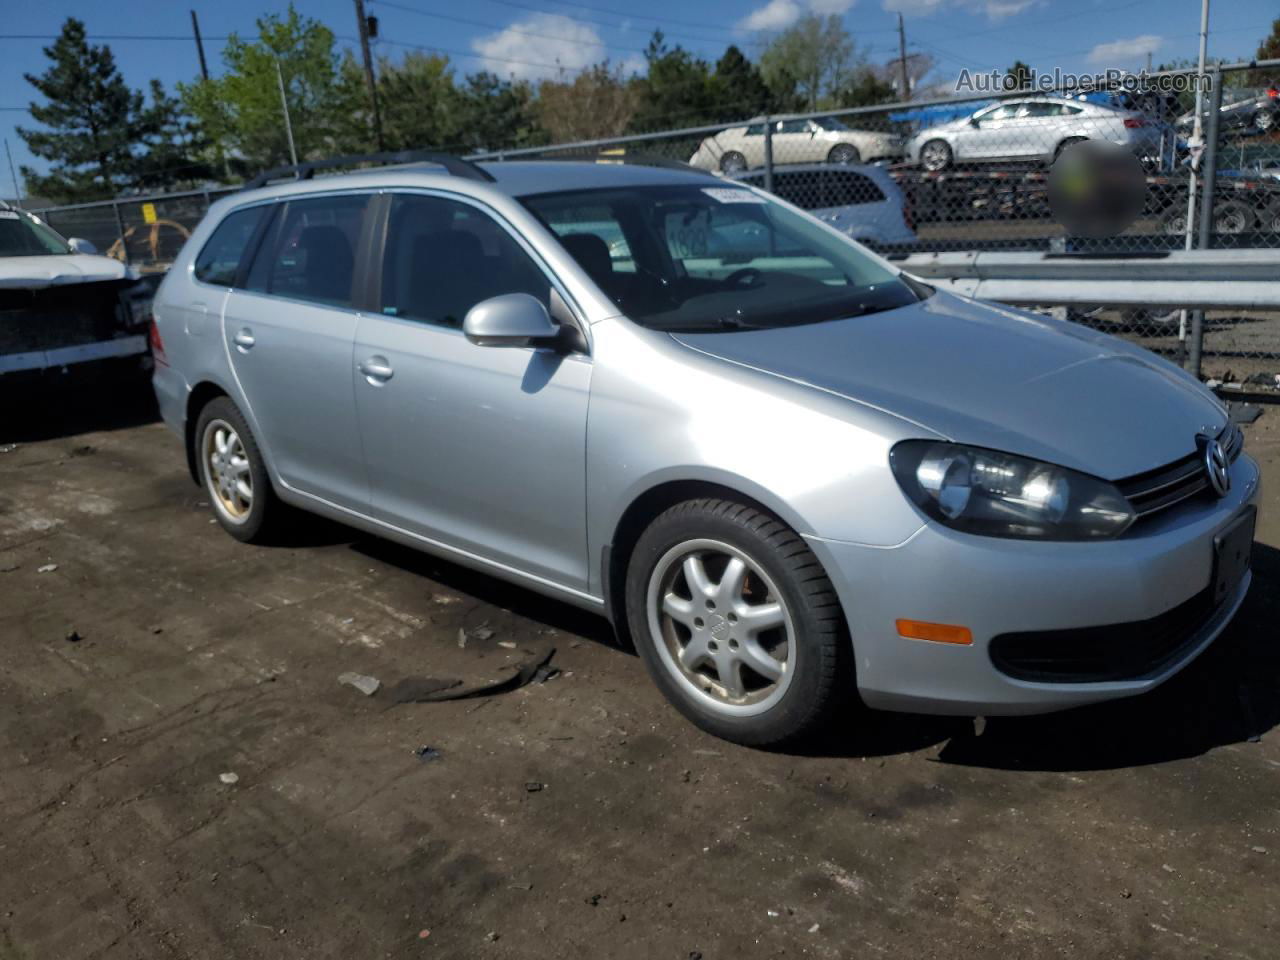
(124, 244)
(1209, 183)
(768, 154)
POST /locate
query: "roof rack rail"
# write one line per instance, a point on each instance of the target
(305, 171)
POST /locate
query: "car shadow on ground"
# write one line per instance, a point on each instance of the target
(51, 406)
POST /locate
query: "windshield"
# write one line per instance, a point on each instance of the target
(718, 257)
(22, 235)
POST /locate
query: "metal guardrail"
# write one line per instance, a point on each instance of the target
(1190, 279)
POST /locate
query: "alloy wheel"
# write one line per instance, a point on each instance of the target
(227, 474)
(721, 627)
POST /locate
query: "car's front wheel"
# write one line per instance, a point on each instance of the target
(736, 622)
(936, 155)
(233, 472)
(844, 153)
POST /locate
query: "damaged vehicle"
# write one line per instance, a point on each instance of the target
(61, 304)
(793, 474)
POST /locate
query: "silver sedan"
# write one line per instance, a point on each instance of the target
(785, 470)
(1034, 129)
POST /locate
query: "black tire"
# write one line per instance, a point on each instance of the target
(732, 162)
(1232, 217)
(821, 664)
(844, 153)
(1264, 121)
(1057, 152)
(1173, 222)
(1270, 219)
(944, 155)
(265, 511)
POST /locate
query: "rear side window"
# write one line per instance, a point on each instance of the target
(819, 189)
(443, 257)
(220, 259)
(311, 252)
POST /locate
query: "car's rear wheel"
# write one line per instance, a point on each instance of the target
(1232, 217)
(936, 155)
(1174, 221)
(733, 162)
(736, 621)
(844, 153)
(1066, 143)
(233, 472)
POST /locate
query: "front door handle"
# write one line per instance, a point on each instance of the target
(376, 370)
(243, 339)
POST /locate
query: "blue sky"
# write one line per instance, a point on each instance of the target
(528, 37)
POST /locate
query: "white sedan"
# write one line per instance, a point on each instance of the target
(825, 140)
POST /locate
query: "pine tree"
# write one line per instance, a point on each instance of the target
(91, 118)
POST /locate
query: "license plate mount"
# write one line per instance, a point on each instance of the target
(1232, 549)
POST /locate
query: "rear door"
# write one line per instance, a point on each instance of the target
(289, 334)
(482, 449)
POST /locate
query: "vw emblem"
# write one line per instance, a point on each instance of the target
(1216, 466)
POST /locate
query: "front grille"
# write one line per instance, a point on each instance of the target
(1119, 651)
(1161, 488)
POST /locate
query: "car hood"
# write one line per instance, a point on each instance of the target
(981, 374)
(57, 269)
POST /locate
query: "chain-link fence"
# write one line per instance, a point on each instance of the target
(952, 174)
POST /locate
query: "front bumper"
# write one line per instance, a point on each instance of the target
(995, 586)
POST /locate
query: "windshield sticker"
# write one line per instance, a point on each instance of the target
(730, 195)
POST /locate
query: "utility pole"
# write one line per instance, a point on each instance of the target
(902, 60)
(1197, 146)
(17, 194)
(195, 28)
(363, 23)
(284, 102)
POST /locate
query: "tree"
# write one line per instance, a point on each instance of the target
(676, 90)
(91, 118)
(494, 113)
(1019, 76)
(241, 110)
(175, 153)
(809, 62)
(598, 102)
(1269, 49)
(421, 107)
(738, 89)
(865, 88)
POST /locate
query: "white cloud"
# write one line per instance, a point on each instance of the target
(540, 46)
(774, 15)
(824, 7)
(1125, 51)
(994, 9)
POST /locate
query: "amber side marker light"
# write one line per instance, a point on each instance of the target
(937, 632)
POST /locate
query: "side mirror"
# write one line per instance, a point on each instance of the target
(81, 245)
(973, 122)
(511, 320)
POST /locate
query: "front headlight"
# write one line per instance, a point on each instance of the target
(1004, 495)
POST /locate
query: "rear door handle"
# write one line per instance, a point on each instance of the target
(243, 339)
(376, 370)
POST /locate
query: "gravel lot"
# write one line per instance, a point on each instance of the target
(580, 817)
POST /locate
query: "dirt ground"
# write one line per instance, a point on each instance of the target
(580, 817)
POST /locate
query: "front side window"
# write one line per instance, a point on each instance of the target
(22, 235)
(716, 258)
(442, 257)
(793, 126)
(219, 260)
(310, 254)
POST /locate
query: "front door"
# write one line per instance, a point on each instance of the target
(482, 449)
(289, 335)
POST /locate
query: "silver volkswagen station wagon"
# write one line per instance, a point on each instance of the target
(785, 469)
